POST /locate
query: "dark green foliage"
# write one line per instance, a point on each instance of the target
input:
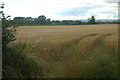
(57, 22)
(77, 22)
(66, 22)
(29, 21)
(91, 20)
(8, 33)
(17, 59)
(42, 20)
(20, 21)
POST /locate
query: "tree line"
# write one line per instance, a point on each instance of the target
(42, 20)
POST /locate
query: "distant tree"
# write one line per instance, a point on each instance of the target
(77, 22)
(19, 21)
(41, 20)
(57, 22)
(67, 22)
(29, 19)
(48, 21)
(23, 21)
(42, 17)
(91, 20)
(70, 22)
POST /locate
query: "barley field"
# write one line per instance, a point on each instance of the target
(61, 33)
(74, 51)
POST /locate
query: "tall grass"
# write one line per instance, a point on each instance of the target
(62, 60)
(100, 62)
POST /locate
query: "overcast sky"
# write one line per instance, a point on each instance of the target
(62, 9)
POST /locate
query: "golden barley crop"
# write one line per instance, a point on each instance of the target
(72, 51)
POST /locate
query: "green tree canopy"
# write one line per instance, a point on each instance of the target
(91, 20)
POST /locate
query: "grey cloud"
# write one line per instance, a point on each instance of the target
(73, 12)
(112, 1)
(79, 11)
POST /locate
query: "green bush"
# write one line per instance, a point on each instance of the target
(17, 59)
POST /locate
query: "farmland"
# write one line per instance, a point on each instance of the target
(74, 51)
(61, 33)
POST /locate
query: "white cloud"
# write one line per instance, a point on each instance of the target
(107, 12)
(50, 8)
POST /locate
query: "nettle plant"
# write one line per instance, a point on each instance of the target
(8, 32)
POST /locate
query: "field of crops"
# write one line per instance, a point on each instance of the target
(63, 33)
(75, 51)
